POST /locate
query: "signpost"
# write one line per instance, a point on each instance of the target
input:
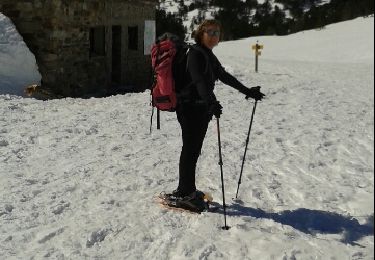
(257, 47)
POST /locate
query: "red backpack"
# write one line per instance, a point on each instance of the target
(163, 91)
(169, 59)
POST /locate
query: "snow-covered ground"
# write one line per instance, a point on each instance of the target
(77, 177)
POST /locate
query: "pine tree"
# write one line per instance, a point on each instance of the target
(169, 23)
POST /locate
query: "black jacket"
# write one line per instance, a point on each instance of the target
(203, 70)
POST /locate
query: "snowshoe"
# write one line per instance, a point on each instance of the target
(196, 202)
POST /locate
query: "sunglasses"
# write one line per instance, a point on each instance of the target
(213, 33)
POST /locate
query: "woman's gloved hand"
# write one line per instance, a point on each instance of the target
(215, 109)
(254, 93)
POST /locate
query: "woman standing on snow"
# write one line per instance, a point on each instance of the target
(197, 104)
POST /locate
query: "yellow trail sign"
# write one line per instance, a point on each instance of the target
(257, 47)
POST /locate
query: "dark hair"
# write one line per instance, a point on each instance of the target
(198, 33)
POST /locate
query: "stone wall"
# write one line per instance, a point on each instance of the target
(58, 33)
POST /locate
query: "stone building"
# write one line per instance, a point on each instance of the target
(85, 46)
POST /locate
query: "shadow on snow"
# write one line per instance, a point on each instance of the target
(311, 221)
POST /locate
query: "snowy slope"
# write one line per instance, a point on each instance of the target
(77, 177)
(331, 45)
(18, 67)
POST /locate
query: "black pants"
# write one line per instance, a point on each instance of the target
(194, 120)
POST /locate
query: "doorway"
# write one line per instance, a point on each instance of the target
(116, 54)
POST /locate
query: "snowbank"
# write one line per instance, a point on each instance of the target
(18, 67)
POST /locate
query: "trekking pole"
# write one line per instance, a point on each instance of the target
(222, 175)
(247, 143)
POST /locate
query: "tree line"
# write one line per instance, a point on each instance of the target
(248, 18)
